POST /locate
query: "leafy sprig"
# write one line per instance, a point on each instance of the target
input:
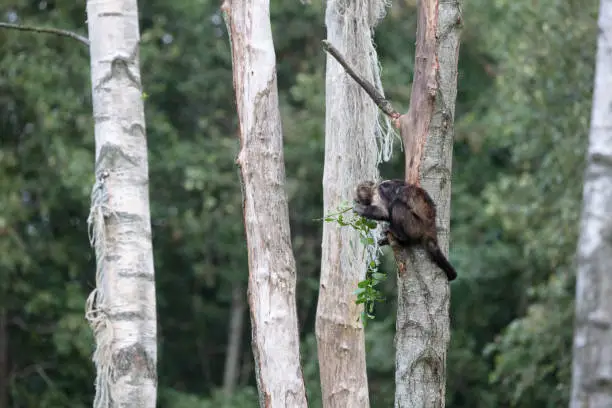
(367, 292)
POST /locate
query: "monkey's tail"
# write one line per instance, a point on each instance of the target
(439, 259)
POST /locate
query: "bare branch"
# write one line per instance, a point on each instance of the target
(376, 96)
(43, 30)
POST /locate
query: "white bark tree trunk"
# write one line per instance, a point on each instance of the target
(351, 154)
(272, 274)
(592, 356)
(122, 308)
(422, 328)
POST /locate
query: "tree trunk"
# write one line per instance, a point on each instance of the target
(592, 364)
(121, 310)
(236, 325)
(272, 275)
(350, 157)
(423, 332)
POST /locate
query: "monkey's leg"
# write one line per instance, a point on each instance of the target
(389, 235)
(398, 233)
(388, 238)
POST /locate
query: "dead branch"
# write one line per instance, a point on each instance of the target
(43, 30)
(370, 89)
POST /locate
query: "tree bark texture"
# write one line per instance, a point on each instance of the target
(272, 273)
(350, 157)
(122, 309)
(422, 328)
(592, 354)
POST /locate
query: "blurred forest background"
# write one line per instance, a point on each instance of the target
(523, 110)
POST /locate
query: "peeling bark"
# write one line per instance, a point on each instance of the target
(122, 309)
(350, 157)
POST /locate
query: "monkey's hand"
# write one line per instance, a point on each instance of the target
(371, 212)
(360, 208)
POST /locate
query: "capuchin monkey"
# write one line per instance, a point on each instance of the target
(411, 214)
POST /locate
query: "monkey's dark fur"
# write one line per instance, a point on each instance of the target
(411, 214)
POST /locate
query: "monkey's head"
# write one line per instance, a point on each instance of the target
(380, 194)
(389, 189)
(365, 192)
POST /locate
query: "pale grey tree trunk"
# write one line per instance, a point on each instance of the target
(592, 356)
(121, 310)
(351, 156)
(272, 274)
(422, 329)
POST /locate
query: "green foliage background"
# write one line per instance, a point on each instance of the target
(523, 110)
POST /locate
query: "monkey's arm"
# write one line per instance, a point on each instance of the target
(371, 212)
